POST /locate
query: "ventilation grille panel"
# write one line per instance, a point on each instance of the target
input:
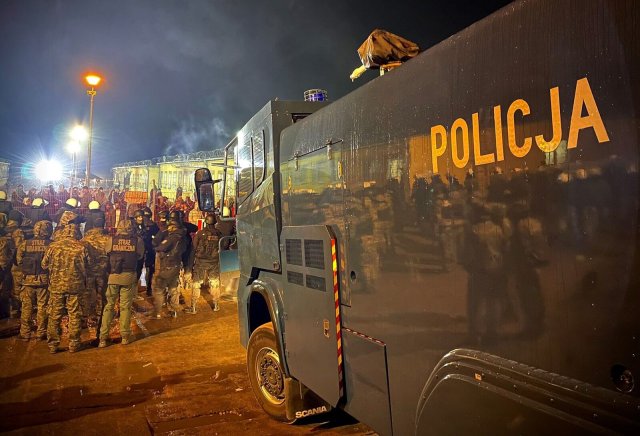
(314, 253)
(295, 277)
(315, 282)
(294, 252)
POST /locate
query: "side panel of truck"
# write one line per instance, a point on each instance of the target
(484, 198)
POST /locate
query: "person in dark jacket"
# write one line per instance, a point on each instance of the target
(185, 279)
(125, 250)
(206, 266)
(150, 230)
(169, 254)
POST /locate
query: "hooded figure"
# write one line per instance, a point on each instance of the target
(35, 280)
(66, 258)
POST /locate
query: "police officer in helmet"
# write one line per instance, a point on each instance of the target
(206, 266)
(37, 212)
(170, 253)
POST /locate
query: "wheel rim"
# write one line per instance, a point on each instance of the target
(270, 376)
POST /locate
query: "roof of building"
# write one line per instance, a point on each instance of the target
(186, 157)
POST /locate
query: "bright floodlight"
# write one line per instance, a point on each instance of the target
(48, 170)
(93, 80)
(73, 147)
(79, 133)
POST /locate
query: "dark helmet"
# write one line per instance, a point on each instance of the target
(147, 212)
(138, 213)
(163, 216)
(210, 219)
(176, 215)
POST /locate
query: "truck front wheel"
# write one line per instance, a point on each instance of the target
(265, 372)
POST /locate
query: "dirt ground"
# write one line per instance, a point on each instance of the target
(183, 376)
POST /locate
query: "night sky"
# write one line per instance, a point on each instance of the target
(184, 76)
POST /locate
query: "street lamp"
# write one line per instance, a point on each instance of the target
(78, 134)
(93, 80)
(73, 147)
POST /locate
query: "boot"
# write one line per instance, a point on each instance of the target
(191, 310)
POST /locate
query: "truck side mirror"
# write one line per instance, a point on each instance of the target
(204, 189)
(206, 197)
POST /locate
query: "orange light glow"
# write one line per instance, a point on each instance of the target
(93, 79)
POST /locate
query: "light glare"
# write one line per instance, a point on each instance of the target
(48, 171)
(73, 147)
(79, 133)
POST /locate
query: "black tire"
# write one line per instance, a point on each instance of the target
(265, 372)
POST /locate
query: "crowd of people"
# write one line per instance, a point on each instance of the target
(112, 201)
(70, 262)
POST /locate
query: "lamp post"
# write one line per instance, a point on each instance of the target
(92, 80)
(73, 147)
(77, 134)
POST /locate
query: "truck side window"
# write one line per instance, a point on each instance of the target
(258, 158)
(245, 171)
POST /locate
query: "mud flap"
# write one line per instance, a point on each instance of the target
(302, 402)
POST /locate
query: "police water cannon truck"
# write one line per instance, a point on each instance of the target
(454, 246)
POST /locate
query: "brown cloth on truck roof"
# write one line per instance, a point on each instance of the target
(383, 47)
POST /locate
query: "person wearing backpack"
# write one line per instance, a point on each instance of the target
(206, 266)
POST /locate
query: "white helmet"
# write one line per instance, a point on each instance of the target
(73, 202)
(94, 205)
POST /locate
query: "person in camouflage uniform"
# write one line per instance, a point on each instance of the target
(36, 280)
(66, 259)
(7, 250)
(12, 228)
(206, 266)
(125, 250)
(96, 240)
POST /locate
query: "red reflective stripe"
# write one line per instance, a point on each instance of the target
(336, 297)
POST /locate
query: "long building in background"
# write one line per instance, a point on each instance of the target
(4, 172)
(167, 172)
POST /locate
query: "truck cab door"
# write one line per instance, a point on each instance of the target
(313, 340)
